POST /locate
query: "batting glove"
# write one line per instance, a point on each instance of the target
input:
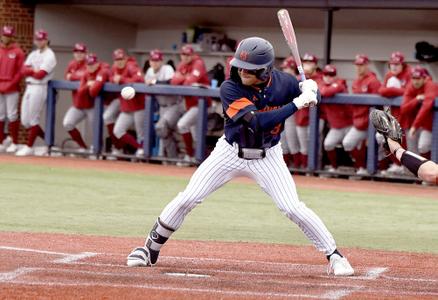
(306, 99)
(309, 85)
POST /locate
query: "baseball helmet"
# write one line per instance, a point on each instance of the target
(8, 31)
(255, 54)
(329, 70)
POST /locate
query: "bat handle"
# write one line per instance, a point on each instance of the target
(301, 71)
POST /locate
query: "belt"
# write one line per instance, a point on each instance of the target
(34, 83)
(249, 153)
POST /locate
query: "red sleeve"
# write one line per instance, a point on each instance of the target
(409, 101)
(391, 92)
(331, 90)
(430, 93)
(135, 75)
(18, 75)
(39, 75)
(27, 71)
(69, 70)
(83, 88)
(98, 84)
(373, 86)
(178, 78)
(198, 71)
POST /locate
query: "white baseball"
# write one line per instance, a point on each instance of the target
(128, 93)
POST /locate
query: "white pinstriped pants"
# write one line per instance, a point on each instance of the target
(271, 173)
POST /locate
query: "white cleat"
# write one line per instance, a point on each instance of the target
(139, 153)
(12, 148)
(339, 266)
(362, 171)
(25, 151)
(2, 148)
(139, 257)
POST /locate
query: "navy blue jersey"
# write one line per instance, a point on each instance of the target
(238, 99)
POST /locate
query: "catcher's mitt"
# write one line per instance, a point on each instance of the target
(387, 126)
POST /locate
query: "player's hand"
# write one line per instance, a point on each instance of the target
(68, 76)
(117, 78)
(306, 99)
(420, 98)
(412, 131)
(309, 86)
(90, 82)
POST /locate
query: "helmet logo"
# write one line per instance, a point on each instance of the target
(243, 55)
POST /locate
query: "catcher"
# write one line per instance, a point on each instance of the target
(388, 126)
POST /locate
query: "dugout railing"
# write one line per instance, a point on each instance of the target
(203, 94)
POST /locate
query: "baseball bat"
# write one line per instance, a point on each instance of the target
(291, 40)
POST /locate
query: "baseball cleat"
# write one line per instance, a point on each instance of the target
(12, 148)
(25, 151)
(339, 266)
(139, 257)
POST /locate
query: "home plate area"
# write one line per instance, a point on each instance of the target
(206, 270)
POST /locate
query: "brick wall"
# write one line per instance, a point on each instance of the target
(21, 16)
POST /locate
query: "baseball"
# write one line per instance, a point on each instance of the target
(128, 93)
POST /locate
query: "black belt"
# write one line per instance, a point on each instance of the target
(250, 153)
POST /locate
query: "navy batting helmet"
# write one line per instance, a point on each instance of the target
(255, 54)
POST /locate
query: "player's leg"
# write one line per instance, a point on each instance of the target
(221, 166)
(37, 104)
(425, 143)
(333, 138)
(303, 139)
(109, 118)
(2, 121)
(14, 124)
(290, 130)
(354, 143)
(184, 124)
(73, 117)
(272, 174)
(139, 128)
(412, 141)
(124, 122)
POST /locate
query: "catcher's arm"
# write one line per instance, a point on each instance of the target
(386, 125)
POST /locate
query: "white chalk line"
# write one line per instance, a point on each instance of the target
(7, 276)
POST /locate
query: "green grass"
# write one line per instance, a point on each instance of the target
(44, 199)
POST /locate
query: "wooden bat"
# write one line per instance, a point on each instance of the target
(291, 40)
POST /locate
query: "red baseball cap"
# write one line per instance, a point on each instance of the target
(187, 50)
(397, 58)
(91, 59)
(361, 59)
(419, 72)
(8, 31)
(41, 35)
(80, 47)
(310, 57)
(119, 54)
(156, 55)
(289, 62)
(329, 70)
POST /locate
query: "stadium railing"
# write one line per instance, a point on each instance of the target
(203, 94)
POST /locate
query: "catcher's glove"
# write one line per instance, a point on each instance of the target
(387, 126)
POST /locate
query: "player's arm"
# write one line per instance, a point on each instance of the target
(97, 86)
(19, 65)
(430, 93)
(47, 66)
(331, 90)
(178, 77)
(410, 101)
(198, 70)
(425, 169)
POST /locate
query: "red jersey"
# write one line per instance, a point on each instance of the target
(188, 74)
(415, 113)
(338, 115)
(302, 116)
(84, 98)
(390, 92)
(76, 69)
(11, 62)
(368, 84)
(129, 74)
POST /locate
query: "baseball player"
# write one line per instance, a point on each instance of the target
(256, 102)
(310, 66)
(170, 106)
(394, 85)
(92, 81)
(388, 126)
(289, 137)
(38, 70)
(417, 111)
(338, 115)
(190, 70)
(11, 62)
(131, 111)
(355, 140)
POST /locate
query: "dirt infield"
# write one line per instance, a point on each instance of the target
(75, 266)
(154, 169)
